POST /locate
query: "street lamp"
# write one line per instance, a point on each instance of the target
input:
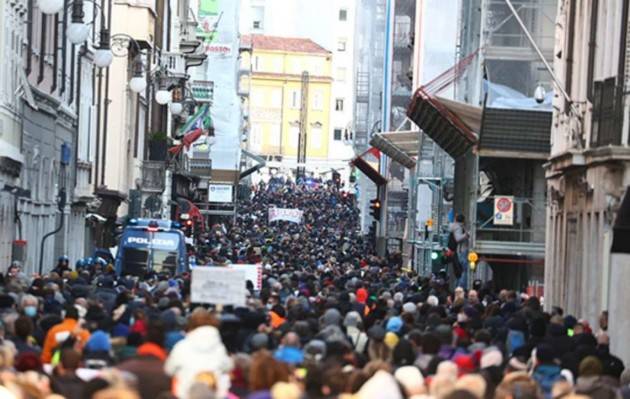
(176, 108)
(138, 83)
(78, 31)
(50, 7)
(163, 95)
(103, 55)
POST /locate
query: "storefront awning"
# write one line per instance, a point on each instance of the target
(452, 125)
(400, 146)
(367, 169)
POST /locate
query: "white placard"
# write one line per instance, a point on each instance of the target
(220, 193)
(290, 215)
(252, 272)
(218, 286)
(504, 210)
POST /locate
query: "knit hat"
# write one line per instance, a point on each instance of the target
(331, 317)
(590, 366)
(544, 353)
(394, 324)
(411, 379)
(391, 340)
(98, 342)
(352, 319)
(409, 307)
(376, 332)
(464, 363)
(491, 357)
(362, 295)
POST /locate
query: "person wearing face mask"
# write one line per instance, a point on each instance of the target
(29, 305)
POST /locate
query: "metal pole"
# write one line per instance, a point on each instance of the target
(539, 52)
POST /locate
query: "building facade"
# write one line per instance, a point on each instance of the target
(291, 84)
(12, 17)
(588, 172)
(304, 19)
(55, 140)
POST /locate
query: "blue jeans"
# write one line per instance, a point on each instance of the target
(463, 261)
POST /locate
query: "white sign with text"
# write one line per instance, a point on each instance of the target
(218, 286)
(290, 215)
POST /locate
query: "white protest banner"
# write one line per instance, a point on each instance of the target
(218, 286)
(504, 210)
(290, 215)
(253, 273)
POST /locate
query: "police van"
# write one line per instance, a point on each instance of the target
(149, 245)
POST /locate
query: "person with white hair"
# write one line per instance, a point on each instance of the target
(412, 381)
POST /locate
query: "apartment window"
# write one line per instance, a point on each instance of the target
(341, 74)
(276, 98)
(275, 135)
(295, 99)
(258, 97)
(341, 45)
(339, 104)
(316, 136)
(318, 101)
(337, 134)
(343, 14)
(258, 16)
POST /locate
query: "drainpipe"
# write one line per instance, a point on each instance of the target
(107, 101)
(61, 203)
(42, 49)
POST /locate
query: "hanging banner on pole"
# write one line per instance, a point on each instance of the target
(290, 215)
(504, 210)
(218, 286)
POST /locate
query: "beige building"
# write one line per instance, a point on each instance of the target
(588, 172)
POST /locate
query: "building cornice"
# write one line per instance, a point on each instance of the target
(574, 158)
(289, 76)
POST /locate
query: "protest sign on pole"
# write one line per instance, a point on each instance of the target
(253, 273)
(290, 215)
(218, 286)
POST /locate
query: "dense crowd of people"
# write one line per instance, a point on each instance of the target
(332, 320)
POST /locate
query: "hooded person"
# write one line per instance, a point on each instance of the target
(201, 351)
(546, 372)
(591, 382)
(358, 338)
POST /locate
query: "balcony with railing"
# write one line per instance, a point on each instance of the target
(524, 235)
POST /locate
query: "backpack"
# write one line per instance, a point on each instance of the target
(458, 269)
(452, 243)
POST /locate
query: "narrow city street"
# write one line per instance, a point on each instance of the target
(297, 199)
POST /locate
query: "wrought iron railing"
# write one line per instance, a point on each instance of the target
(528, 221)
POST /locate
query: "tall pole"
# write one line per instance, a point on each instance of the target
(301, 155)
(557, 81)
